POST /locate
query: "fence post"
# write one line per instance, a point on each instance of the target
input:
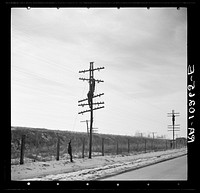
(145, 146)
(83, 149)
(128, 146)
(117, 148)
(152, 146)
(22, 149)
(102, 146)
(58, 148)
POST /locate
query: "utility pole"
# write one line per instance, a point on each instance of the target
(140, 134)
(86, 125)
(87, 132)
(173, 127)
(90, 97)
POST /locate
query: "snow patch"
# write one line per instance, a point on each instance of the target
(99, 167)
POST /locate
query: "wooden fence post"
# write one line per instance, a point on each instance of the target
(145, 146)
(37, 143)
(58, 148)
(128, 146)
(22, 150)
(117, 148)
(152, 146)
(102, 146)
(83, 149)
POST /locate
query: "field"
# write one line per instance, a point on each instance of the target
(41, 144)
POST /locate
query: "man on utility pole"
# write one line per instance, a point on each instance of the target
(91, 91)
(90, 97)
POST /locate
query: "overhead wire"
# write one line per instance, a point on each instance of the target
(76, 116)
(47, 61)
(120, 113)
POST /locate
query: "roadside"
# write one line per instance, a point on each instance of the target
(89, 169)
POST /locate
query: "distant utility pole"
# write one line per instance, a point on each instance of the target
(87, 134)
(173, 127)
(86, 125)
(90, 97)
(140, 134)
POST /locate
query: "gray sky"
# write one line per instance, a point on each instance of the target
(144, 53)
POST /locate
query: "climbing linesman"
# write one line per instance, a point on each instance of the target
(91, 91)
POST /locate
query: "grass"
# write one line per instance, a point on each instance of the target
(41, 144)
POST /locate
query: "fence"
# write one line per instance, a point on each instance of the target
(46, 146)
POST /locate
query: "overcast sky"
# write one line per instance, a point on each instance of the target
(144, 53)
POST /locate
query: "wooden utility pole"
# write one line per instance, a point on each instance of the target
(173, 127)
(90, 97)
(88, 133)
(87, 125)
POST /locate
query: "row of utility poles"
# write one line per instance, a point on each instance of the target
(90, 96)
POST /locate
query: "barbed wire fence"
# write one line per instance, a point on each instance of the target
(41, 146)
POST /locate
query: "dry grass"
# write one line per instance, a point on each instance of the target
(41, 144)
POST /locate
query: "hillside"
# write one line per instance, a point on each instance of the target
(41, 143)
